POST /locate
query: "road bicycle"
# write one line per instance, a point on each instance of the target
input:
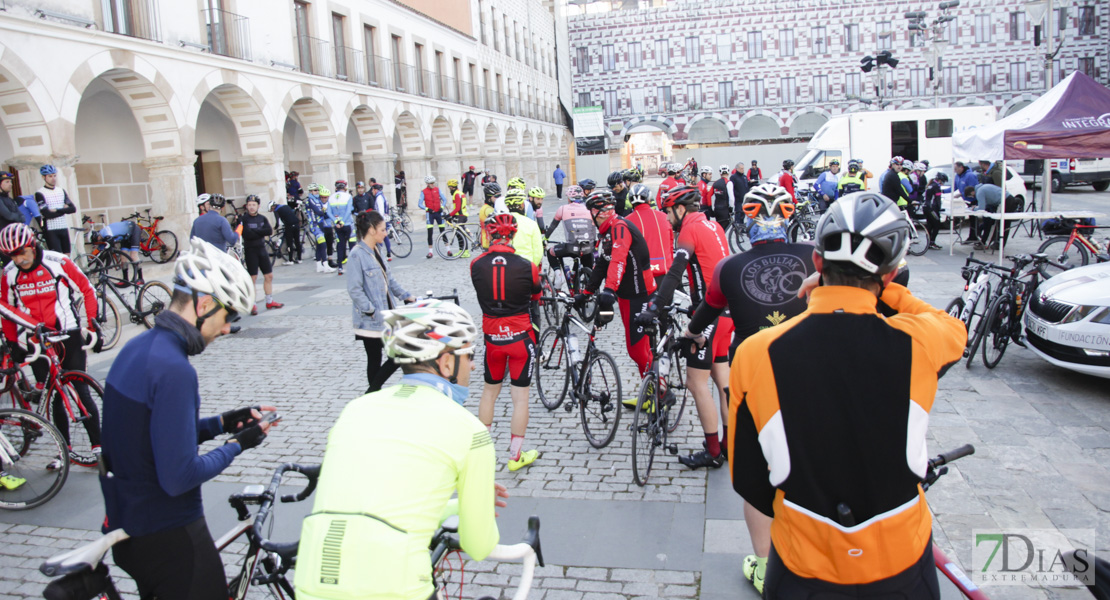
(401, 220)
(574, 280)
(971, 307)
(802, 226)
(662, 390)
(400, 242)
(1072, 250)
(1004, 318)
(159, 246)
(105, 254)
(29, 445)
(61, 387)
(235, 214)
(457, 239)
(142, 302)
(446, 542)
(949, 568)
(738, 240)
(590, 375)
(919, 235)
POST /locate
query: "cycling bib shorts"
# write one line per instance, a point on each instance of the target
(517, 354)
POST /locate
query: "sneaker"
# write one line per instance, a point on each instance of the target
(254, 310)
(450, 253)
(630, 403)
(526, 458)
(340, 270)
(54, 465)
(702, 459)
(934, 246)
(389, 258)
(297, 261)
(319, 267)
(10, 482)
(273, 305)
(750, 569)
(429, 254)
(464, 254)
(325, 268)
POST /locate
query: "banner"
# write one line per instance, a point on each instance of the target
(589, 121)
(590, 144)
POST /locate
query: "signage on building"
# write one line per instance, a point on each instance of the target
(589, 121)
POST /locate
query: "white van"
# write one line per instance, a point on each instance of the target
(876, 136)
(1068, 171)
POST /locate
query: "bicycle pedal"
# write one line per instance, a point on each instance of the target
(672, 448)
(569, 406)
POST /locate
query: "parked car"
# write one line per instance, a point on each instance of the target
(1067, 321)
(1015, 186)
(1073, 171)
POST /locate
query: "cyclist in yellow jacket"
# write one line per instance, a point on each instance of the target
(528, 241)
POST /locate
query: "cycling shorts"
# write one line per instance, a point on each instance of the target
(258, 259)
(722, 340)
(702, 358)
(518, 353)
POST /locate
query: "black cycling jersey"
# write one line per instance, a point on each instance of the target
(288, 215)
(506, 284)
(255, 230)
(624, 260)
(720, 194)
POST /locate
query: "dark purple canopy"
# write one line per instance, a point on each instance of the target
(1077, 125)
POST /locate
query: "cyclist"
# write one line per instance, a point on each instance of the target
(657, 232)
(290, 230)
(787, 180)
(412, 447)
(579, 234)
(869, 534)
(363, 200)
(930, 207)
(9, 207)
(737, 190)
(508, 288)
(152, 433)
(587, 186)
(459, 213)
(528, 240)
(907, 184)
(432, 201)
(624, 265)
(670, 182)
(400, 186)
(293, 186)
(127, 234)
(492, 192)
(827, 184)
(864, 173)
(722, 198)
(211, 226)
(256, 228)
(47, 286)
(516, 183)
(852, 181)
(468, 182)
(536, 196)
(341, 211)
(701, 246)
(320, 226)
(755, 175)
(620, 193)
(54, 204)
(890, 184)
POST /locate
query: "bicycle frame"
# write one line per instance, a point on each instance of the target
(1077, 236)
(102, 284)
(54, 373)
(578, 377)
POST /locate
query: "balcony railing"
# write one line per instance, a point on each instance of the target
(135, 18)
(314, 55)
(228, 33)
(348, 64)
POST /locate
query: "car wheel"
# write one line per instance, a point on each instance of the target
(1057, 183)
(1101, 186)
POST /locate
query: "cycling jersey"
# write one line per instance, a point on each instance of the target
(705, 189)
(484, 213)
(827, 183)
(318, 212)
(786, 180)
(468, 181)
(460, 207)
(701, 245)
(658, 234)
(213, 228)
(48, 292)
(394, 459)
(528, 241)
(54, 204)
(850, 433)
(668, 184)
(506, 284)
(578, 225)
(288, 215)
(623, 260)
(849, 183)
(890, 185)
(431, 199)
(754, 175)
(255, 230)
(341, 208)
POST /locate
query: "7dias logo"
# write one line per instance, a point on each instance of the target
(1033, 557)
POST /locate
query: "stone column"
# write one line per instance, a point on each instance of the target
(326, 170)
(380, 168)
(447, 167)
(528, 172)
(264, 175)
(173, 193)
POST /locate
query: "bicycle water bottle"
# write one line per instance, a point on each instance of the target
(664, 364)
(572, 345)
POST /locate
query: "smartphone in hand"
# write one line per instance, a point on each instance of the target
(272, 417)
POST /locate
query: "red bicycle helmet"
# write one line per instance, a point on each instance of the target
(683, 194)
(501, 227)
(16, 237)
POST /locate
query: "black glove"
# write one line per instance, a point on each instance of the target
(17, 352)
(580, 301)
(238, 419)
(648, 316)
(606, 300)
(249, 438)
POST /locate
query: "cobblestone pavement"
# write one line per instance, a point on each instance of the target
(1042, 438)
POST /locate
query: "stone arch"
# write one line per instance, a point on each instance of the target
(1016, 104)
(663, 124)
(512, 153)
(243, 104)
(759, 125)
(22, 102)
(707, 128)
(366, 141)
(308, 106)
(492, 138)
(972, 101)
(915, 103)
(527, 144)
(443, 138)
(470, 143)
(408, 132)
(806, 122)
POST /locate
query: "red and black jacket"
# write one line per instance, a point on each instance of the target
(506, 284)
(625, 263)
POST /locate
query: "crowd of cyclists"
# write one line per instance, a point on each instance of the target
(756, 316)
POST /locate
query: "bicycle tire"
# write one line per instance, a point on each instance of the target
(65, 387)
(955, 308)
(997, 329)
(108, 324)
(164, 247)
(676, 381)
(802, 230)
(1058, 250)
(645, 429)
(154, 297)
(119, 266)
(550, 310)
(738, 240)
(588, 312)
(406, 222)
(919, 239)
(552, 360)
(602, 403)
(976, 326)
(90, 265)
(40, 444)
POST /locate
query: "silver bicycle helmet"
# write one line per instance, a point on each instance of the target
(865, 229)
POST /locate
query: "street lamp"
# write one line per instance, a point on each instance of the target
(937, 44)
(1041, 10)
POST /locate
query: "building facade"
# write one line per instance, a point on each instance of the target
(776, 70)
(146, 103)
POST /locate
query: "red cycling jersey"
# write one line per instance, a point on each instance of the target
(658, 234)
(623, 260)
(666, 186)
(786, 180)
(505, 283)
(705, 188)
(704, 243)
(432, 200)
(47, 293)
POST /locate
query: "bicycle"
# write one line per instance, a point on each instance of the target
(446, 541)
(592, 377)
(574, 280)
(738, 240)
(150, 299)
(971, 307)
(1005, 315)
(803, 224)
(456, 239)
(60, 384)
(400, 242)
(29, 444)
(159, 246)
(662, 388)
(401, 220)
(105, 254)
(1072, 250)
(936, 468)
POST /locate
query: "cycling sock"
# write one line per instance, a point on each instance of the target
(712, 444)
(269, 298)
(514, 447)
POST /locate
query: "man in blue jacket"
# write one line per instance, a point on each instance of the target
(152, 430)
(559, 177)
(211, 226)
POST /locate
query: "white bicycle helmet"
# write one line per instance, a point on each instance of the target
(724, 169)
(201, 199)
(313, 187)
(907, 164)
(272, 205)
(207, 270)
(920, 166)
(422, 331)
(705, 171)
(774, 199)
(430, 179)
(865, 229)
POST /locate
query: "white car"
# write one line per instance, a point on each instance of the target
(1067, 321)
(1015, 186)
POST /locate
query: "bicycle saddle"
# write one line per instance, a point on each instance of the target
(450, 524)
(159, 217)
(86, 557)
(1039, 256)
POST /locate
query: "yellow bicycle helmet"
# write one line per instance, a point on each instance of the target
(515, 182)
(536, 192)
(452, 183)
(324, 192)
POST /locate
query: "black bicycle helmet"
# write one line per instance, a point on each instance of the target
(587, 185)
(633, 176)
(639, 194)
(253, 198)
(600, 200)
(492, 189)
(864, 229)
(615, 178)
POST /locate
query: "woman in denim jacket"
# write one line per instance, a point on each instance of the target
(372, 290)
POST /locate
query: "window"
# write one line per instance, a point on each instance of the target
(819, 43)
(982, 29)
(482, 21)
(693, 50)
(938, 128)
(724, 94)
(693, 96)
(917, 82)
(473, 84)
(786, 42)
(851, 37)
(789, 90)
(582, 58)
(637, 100)
(1087, 67)
(724, 47)
(395, 54)
(609, 103)
(1017, 76)
(1017, 26)
(886, 38)
(953, 32)
(635, 55)
(662, 53)
(755, 44)
(757, 95)
(951, 81)
(608, 58)
(418, 59)
(664, 99)
(821, 88)
(983, 78)
(496, 38)
(370, 43)
(304, 45)
(853, 85)
(1086, 20)
(583, 99)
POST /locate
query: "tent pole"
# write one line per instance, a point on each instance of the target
(1046, 172)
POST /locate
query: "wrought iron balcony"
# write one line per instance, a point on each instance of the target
(228, 33)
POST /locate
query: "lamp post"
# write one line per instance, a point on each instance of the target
(937, 44)
(1039, 10)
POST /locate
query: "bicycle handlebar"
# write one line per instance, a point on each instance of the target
(266, 502)
(946, 457)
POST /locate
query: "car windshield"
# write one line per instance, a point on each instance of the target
(815, 162)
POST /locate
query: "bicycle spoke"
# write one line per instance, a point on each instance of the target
(599, 408)
(39, 446)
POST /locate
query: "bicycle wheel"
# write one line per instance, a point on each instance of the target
(400, 243)
(955, 308)
(108, 325)
(919, 239)
(65, 390)
(676, 382)
(549, 309)
(997, 328)
(977, 324)
(90, 265)
(801, 230)
(589, 312)
(552, 367)
(163, 246)
(645, 429)
(1067, 255)
(154, 297)
(738, 240)
(38, 445)
(406, 222)
(600, 406)
(446, 244)
(119, 266)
